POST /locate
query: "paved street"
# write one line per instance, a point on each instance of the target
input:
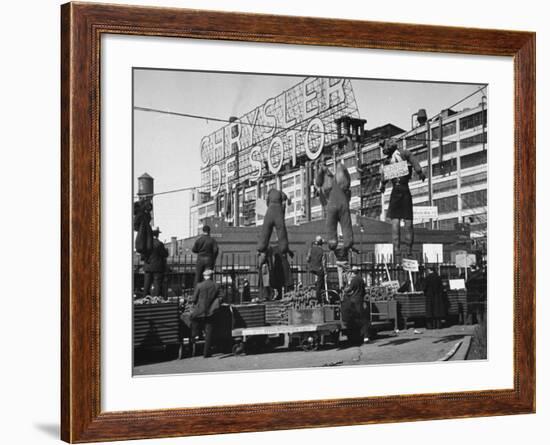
(404, 347)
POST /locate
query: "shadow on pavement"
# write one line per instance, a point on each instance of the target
(399, 341)
(449, 338)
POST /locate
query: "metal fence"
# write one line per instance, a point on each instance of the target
(232, 269)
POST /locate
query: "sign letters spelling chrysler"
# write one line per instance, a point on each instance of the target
(277, 132)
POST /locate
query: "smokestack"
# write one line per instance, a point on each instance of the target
(174, 244)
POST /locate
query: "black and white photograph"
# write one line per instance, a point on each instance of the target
(303, 221)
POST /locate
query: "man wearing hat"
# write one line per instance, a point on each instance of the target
(155, 266)
(206, 249)
(401, 205)
(206, 302)
(317, 261)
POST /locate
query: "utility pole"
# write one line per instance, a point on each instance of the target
(422, 118)
(429, 146)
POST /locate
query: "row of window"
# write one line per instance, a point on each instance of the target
(473, 120)
(470, 200)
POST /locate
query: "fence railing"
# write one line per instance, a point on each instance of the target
(232, 269)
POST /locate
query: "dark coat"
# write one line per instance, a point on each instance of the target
(156, 260)
(206, 247)
(316, 258)
(354, 314)
(435, 296)
(206, 299)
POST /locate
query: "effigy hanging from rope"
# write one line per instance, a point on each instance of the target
(274, 218)
(397, 168)
(334, 189)
(142, 225)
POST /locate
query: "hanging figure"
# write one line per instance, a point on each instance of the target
(275, 218)
(400, 207)
(335, 194)
(142, 225)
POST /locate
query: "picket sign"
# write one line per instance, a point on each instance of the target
(392, 284)
(457, 284)
(410, 265)
(396, 170)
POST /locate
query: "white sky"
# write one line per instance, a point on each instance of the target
(167, 147)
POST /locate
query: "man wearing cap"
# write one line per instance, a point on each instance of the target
(154, 266)
(206, 302)
(207, 250)
(317, 261)
(401, 205)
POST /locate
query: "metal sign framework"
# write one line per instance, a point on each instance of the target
(277, 132)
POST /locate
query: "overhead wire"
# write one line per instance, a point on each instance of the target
(279, 130)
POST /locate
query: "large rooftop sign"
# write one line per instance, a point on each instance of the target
(298, 121)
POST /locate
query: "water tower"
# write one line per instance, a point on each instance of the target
(146, 190)
(146, 186)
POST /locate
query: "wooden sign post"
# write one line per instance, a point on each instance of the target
(410, 266)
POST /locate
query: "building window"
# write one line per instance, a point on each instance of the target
(474, 179)
(444, 186)
(371, 155)
(447, 149)
(474, 199)
(416, 140)
(473, 159)
(473, 140)
(446, 205)
(448, 129)
(420, 191)
(444, 168)
(473, 120)
(421, 155)
(448, 224)
(287, 183)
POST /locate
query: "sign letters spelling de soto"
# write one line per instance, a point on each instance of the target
(286, 127)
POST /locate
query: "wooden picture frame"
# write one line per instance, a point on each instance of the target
(82, 26)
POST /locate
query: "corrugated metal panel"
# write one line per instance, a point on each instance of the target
(276, 313)
(155, 324)
(249, 315)
(411, 304)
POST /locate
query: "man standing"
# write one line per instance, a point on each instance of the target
(476, 287)
(355, 311)
(317, 261)
(155, 266)
(400, 206)
(206, 249)
(435, 303)
(206, 301)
